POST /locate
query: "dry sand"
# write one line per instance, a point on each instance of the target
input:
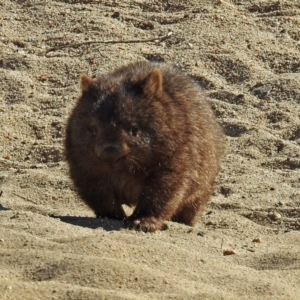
(245, 55)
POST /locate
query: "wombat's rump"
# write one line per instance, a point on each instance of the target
(144, 136)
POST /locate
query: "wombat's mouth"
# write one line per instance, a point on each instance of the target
(120, 159)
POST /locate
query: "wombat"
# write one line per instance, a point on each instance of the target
(145, 136)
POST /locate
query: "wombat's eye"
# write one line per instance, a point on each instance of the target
(92, 130)
(134, 130)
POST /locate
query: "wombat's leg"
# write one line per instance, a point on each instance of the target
(103, 204)
(188, 211)
(159, 200)
(187, 214)
(113, 213)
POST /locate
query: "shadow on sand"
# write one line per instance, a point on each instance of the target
(93, 223)
(3, 208)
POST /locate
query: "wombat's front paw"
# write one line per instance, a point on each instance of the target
(148, 224)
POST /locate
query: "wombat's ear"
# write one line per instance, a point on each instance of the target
(154, 82)
(86, 82)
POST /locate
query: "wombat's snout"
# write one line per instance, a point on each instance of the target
(111, 153)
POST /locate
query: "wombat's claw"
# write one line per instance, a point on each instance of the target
(149, 224)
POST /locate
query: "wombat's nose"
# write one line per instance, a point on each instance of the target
(111, 153)
(110, 149)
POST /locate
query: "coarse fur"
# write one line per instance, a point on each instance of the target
(143, 135)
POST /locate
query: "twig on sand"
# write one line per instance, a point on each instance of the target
(76, 45)
(25, 198)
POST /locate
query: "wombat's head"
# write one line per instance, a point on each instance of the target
(120, 122)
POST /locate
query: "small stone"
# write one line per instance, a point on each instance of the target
(24, 186)
(201, 233)
(274, 216)
(251, 250)
(115, 15)
(228, 252)
(15, 216)
(256, 240)
(225, 191)
(209, 223)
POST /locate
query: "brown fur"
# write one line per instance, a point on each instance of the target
(144, 136)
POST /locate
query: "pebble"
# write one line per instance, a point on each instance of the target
(256, 240)
(274, 216)
(228, 252)
(201, 233)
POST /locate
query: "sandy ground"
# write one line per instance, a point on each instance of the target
(245, 55)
